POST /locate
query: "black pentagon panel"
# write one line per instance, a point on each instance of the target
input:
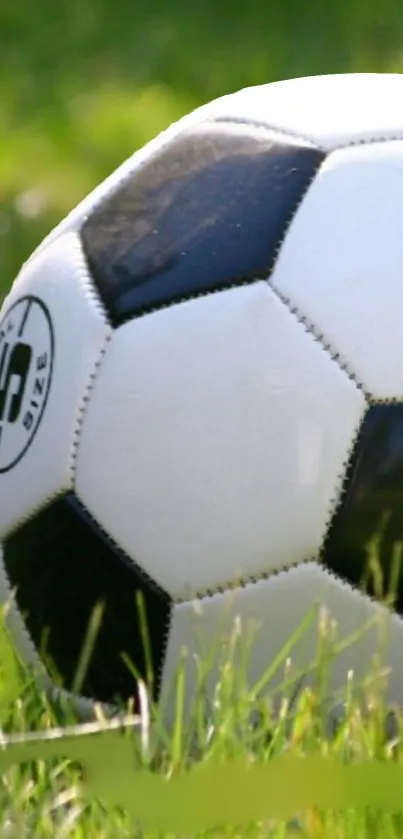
(207, 212)
(372, 505)
(62, 565)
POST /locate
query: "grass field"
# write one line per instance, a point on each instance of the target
(55, 797)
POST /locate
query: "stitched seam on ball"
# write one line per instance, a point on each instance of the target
(159, 676)
(361, 592)
(147, 580)
(95, 301)
(334, 504)
(144, 577)
(240, 282)
(241, 581)
(337, 500)
(204, 120)
(207, 594)
(286, 133)
(296, 135)
(319, 337)
(187, 298)
(82, 409)
(49, 498)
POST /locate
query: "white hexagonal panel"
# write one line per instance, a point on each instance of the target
(341, 264)
(331, 110)
(215, 439)
(270, 613)
(52, 335)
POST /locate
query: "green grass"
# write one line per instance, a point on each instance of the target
(55, 798)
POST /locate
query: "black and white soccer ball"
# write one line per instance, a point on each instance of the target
(201, 391)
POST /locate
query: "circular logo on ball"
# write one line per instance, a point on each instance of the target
(26, 363)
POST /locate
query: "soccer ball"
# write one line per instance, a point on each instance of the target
(201, 393)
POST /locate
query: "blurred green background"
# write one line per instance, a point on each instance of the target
(83, 83)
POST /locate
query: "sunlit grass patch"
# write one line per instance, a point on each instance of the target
(240, 725)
